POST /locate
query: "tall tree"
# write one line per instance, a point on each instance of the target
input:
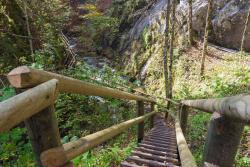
(28, 29)
(244, 33)
(190, 22)
(206, 33)
(171, 50)
(166, 47)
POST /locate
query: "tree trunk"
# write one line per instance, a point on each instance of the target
(244, 33)
(171, 55)
(28, 29)
(166, 47)
(205, 42)
(190, 23)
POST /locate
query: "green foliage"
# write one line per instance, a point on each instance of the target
(78, 116)
(242, 161)
(99, 32)
(76, 113)
(197, 128)
(44, 27)
(15, 151)
(146, 38)
(6, 93)
(110, 155)
(230, 77)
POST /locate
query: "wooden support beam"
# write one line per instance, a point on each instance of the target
(58, 156)
(237, 107)
(140, 112)
(152, 108)
(42, 127)
(26, 77)
(43, 132)
(20, 107)
(222, 141)
(186, 157)
(184, 118)
(167, 111)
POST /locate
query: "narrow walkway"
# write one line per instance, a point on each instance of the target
(158, 149)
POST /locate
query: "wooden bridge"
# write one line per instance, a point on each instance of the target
(164, 145)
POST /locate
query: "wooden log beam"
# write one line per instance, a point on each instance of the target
(140, 112)
(60, 155)
(26, 77)
(43, 132)
(152, 108)
(237, 107)
(223, 139)
(184, 118)
(20, 107)
(186, 157)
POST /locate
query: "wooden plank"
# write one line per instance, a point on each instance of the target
(25, 77)
(160, 153)
(223, 139)
(148, 162)
(160, 141)
(160, 145)
(20, 107)
(155, 157)
(158, 148)
(166, 139)
(140, 112)
(53, 157)
(127, 164)
(186, 157)
(237, 107)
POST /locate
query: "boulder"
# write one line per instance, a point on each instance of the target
(228, 21)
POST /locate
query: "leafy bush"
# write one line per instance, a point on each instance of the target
(15, 150)
(6, 93)
(110, 155)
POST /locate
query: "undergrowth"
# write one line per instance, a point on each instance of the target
(230, 76)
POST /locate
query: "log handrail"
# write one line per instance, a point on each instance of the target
(26, 77)
(229, 116)
(186, 157)
(20, 107)
(58, 156)
(41, 92)
(237, 107)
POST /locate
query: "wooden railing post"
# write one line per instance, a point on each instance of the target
(140, 112)
(183, 118)
(166, 113)
(152, 107)
(43, 131)
(222, 141)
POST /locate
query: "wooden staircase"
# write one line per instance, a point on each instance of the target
(158, 148)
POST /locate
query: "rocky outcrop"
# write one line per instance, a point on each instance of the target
(144, 41)
(228, 21)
